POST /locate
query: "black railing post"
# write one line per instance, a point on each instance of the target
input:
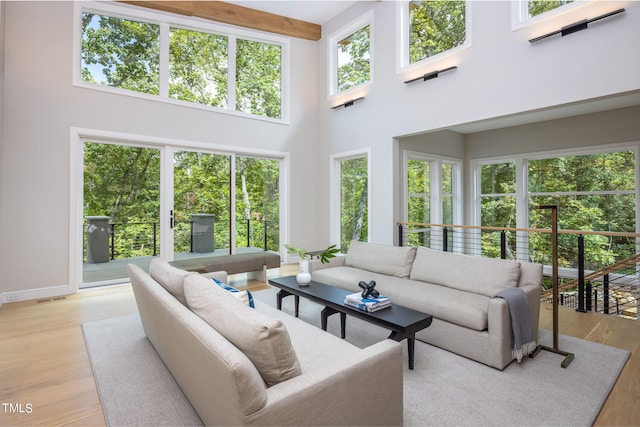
(595, 299)
(190, 236)
(265, 234)
(248, 233)
(605, 286)
(588, 308)
(155, 239)
(503, 244)
(113, 241)
(400, 235)
(581, 274)
(445, 239)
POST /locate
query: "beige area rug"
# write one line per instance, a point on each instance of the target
(444, 389)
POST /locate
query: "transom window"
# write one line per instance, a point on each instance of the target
(150, 55)
(350, 56)
(431, 28)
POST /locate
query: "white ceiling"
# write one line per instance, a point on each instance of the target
(315, 11)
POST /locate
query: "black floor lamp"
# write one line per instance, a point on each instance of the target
(554, 279)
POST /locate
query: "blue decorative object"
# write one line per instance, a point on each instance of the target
(368, 290)
(232, 289)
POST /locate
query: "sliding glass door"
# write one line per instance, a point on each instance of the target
(201, 204)
(137, 199)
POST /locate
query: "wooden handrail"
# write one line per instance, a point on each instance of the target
(528, 230)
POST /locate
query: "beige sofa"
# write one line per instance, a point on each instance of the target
(260, 366)
(456, 289)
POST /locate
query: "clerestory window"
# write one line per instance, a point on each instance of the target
(431, 28)
(172, 60)
(350, 56)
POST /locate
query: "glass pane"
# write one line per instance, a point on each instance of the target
(202, 204)
(496, 212)
(418, 176)
(121, 208)
(198, 67)
(447, 179)
(435, 27)
(354, 209)
(499, 178)
(447, 210)
(541, 6)
(354, 61)
(120, 53)
(594, 172)
(257, 204)
(419, 209)
(258, 78)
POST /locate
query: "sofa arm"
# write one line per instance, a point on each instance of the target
(316, 264)
(220, 275)
(362, 389)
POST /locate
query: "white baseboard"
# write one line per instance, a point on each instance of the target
(34, 294)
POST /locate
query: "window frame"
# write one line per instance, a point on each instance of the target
(435, 191)
(522, 184)
(335, 192)
(520, 13)
(332, 54)
(166, 21)
(402, 40)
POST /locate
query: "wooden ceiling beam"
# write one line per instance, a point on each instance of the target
(233, 14)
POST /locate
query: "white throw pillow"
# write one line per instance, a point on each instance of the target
(170, 277)
(265, 341)
(384, 259)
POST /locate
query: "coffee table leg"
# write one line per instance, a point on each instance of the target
(282, 294)
(343, 325)
(411, 344)
(328, 311)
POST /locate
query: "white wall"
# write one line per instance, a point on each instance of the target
(500, 75)
(42, 105)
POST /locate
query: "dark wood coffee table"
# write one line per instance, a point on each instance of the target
(401, 321)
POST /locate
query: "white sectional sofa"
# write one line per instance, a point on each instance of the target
(258, 366)
(456, 289)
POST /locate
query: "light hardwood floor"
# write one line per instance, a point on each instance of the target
(45, 369)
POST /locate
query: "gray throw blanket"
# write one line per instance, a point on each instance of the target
(522, 336)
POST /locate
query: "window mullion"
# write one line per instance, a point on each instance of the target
(231, 74)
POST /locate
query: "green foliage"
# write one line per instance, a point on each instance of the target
(324, 256)
(198, 67)
(436, 26)
(121, 53)
(538, 7)
(354, 215)
(126, 54)
(258, 78)
(354, 60)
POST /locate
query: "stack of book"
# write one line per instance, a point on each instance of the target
(367, 304)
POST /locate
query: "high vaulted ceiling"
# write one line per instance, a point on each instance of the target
(295, 18)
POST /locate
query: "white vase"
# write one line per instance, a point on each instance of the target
(303, 277)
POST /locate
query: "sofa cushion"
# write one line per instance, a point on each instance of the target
(170, 277)
(384, 259)
(484, 276)
(264, 340)
(462, 308)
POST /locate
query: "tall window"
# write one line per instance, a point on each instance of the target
(349, 198)
(430, 28)
(592, 192)
(432, 195)
(129, 53)
(497, 203)
(350, 56)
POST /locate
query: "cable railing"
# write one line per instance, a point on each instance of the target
(136, 239)
(598, 270)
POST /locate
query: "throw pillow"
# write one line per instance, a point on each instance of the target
(264, 340)
(170, 277)
(244, 296)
